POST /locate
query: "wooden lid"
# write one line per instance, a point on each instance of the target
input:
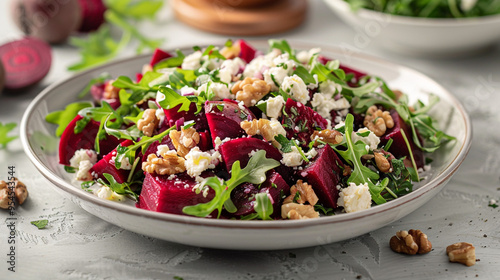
(276, 16)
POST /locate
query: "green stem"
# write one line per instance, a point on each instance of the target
(411, 154)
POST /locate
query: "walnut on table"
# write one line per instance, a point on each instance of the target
(5, 195)
(462, 252)
(378, 121)
(250, 90)
(410, 242)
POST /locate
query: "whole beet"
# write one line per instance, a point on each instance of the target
(49, 20)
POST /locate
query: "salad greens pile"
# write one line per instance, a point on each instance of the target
(430, 8)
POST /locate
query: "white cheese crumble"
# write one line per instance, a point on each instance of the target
(220, 90)
(230, 68)
(83, 173)
(274, 106)
(82, 155)
(371, 140)
(186, 90)
(161, 150)
(219, 142)
(325, 103)
(275, 76)
(160, 114)
(297, 89)
(198, 161)
(293, 158)
(259, 64)
(192, 61)
(330, 88)
(355, 198)
(305, 56)
(105, 192)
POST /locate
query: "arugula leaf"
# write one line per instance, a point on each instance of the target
(263, 206)
(40, 224)
(302, 72)
(254, 173)
(123, 189)
(286, 145)
(172, 99)
(63, 117)
(283, 46)
(212, 53)
(170, 62)
(326, 211)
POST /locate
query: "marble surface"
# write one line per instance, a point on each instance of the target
(77, 245)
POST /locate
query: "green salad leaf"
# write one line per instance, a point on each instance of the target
(40, 224)
(63, 117)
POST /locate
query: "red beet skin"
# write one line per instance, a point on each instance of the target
(247, 52)
(398, 147)
(26, 62)
(71, 142)
(173, 114)
(302, 121)
(324, 175)
(225, 123)
(107, 165)
(169, 196)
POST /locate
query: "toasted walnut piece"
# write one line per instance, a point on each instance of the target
(20, 190)
(231, 52)
(260, 127)
(170, 164)
(110, 91)
(306, 194)
(398, 94)
(295, 211)
(5, 196)
(378, 121)
(148, 123)
(382, 162)
(410, 242)
(347, 170)
(184, 140)
(330, 136)
(462, 252)
(250, 90)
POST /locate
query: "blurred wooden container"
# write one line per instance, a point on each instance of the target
(241, 17)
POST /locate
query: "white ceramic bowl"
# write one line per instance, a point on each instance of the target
(419, 36)
(41, 147)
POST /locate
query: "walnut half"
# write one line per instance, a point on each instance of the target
(250, 90)
(170, 164)
(462, 252)
(5, 195)
(410, 242)
(378, 121)
(295, 211)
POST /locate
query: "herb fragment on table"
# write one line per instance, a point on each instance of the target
(40, 224)
(4, 131)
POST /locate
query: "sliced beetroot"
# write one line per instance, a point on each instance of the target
(172, 115)
(169, 196)
(398, 147)
(107, 165)
(158, 56)
(301, 121)
(92, 15)
(241, 148)
(205, 143)
(224, 118)
(243, 196)
(323, 174)
(247, 52)
(26, 62)
(71, 142)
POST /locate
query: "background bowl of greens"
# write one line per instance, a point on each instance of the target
(422, 27)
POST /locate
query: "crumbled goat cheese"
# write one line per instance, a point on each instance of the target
(107, 193)
(371, 140)
(198, 161)
(81, 155)
(330, 88)
(293, 158)
(315, 84)
(297, 89)
(186, 90)
(305, 56)
(325, 103)
(219, 142)
(230, 68)
(274, 77)
(255, 68)
(160, 114)
(83, 173)
(277, 127)
(274, 106)
(192, 61)
(312, 153)
(162, 149)
(355, 198)
(220, 90)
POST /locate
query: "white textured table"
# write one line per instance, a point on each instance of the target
(77, 245)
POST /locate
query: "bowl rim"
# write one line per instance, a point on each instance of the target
(342, 6)
(67, 187)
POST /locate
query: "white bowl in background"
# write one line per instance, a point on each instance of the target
(419, 36)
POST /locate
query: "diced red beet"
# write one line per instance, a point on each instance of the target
(243, 196)
(398, 147)
(158, 56)
(169, 196)
(205, 141)
(224, 118)
(138, 77)
(153, 147)
(323, 174)
(26, 62)
(107, 165)
(247, 52)
(173, 114)
(302, 121)
(71, 142)
(239, 149)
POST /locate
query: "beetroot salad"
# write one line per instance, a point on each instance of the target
(232, 132)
